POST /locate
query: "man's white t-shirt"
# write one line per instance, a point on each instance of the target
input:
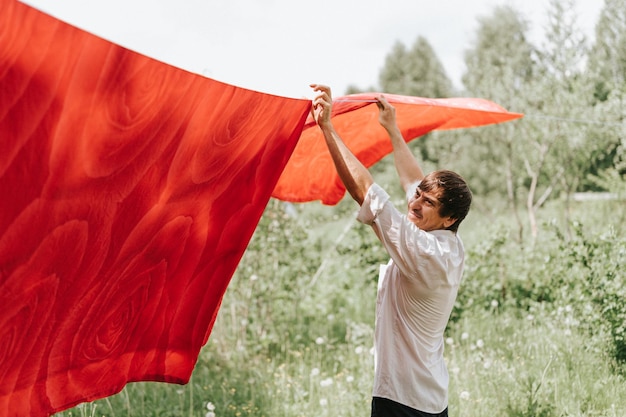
(416, 294)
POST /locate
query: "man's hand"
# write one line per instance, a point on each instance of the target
(387, 113)
(322, 105)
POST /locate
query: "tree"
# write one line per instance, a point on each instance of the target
(415, 72)
(500, 65)
(607, 59)
(501, 61)
(606, 70)
(557, 159)
(548, 153)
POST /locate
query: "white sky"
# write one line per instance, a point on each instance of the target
(281, 46)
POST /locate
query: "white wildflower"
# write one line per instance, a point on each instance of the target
(326, 382)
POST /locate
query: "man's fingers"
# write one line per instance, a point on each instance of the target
(382, 101)
(324, 89)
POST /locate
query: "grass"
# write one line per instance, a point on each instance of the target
(294, 334)
(537, 365)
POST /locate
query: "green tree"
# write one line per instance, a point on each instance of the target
(581, 139)
(607, 59)
(556, 158)
(607, 79)
(500, 65)
(415, 72)
(501, 61)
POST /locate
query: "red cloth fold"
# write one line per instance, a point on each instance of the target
(129, 190)
(310, 174)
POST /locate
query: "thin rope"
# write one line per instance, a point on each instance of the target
(354, 100)
(565, 119)
(351, 222)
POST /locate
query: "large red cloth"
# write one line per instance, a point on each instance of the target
(310, 174)
(129, 190)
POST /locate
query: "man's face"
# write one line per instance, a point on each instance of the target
(423, 211)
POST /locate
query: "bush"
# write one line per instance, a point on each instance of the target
(584, 272)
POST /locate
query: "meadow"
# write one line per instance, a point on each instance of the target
(538, 329)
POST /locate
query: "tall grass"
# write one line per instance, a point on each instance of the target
(535, 332)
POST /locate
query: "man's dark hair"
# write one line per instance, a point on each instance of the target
(453, 194)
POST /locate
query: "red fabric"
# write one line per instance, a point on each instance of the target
(129, 190)
(310, 174)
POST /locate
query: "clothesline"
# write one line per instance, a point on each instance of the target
(350, 100)
(566, 119)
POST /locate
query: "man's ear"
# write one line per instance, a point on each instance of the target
(449, 221)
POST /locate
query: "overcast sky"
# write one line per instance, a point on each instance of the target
(281, 46)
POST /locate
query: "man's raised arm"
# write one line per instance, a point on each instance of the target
(407, 166)
(354, 175)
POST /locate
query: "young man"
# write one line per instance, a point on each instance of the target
(418, 287)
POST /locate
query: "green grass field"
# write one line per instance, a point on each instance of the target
(538, 329)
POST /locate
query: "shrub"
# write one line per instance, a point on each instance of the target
(584, 271)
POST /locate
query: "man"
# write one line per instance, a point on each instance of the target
(418, 287)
